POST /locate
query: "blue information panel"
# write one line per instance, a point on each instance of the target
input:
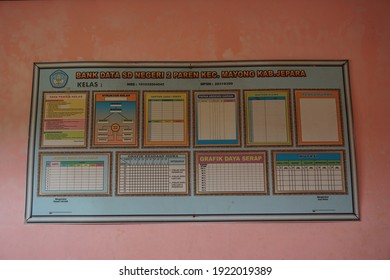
(191, 141)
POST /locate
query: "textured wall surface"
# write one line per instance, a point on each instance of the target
(357, 30)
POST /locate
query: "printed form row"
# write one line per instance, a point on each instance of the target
(215, 173)
(216, 121)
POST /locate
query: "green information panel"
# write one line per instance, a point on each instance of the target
(191, 141)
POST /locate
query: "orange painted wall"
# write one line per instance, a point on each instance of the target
(357, 30)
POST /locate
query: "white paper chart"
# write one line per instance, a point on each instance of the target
(318, 116)
(114, 142)
(231, 173)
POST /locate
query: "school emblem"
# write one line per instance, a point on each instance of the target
(58, 79)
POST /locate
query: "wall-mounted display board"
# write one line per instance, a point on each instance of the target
(191, 141)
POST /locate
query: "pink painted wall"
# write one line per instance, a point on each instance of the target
(357, 30)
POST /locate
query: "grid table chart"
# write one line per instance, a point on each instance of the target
(165, 118)
(74, 176)
(231, 173)
(267, 117)
(152, 174)
(217, 118)
(309, 173)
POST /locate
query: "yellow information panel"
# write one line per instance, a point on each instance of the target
(64, 120)
(191, 141)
